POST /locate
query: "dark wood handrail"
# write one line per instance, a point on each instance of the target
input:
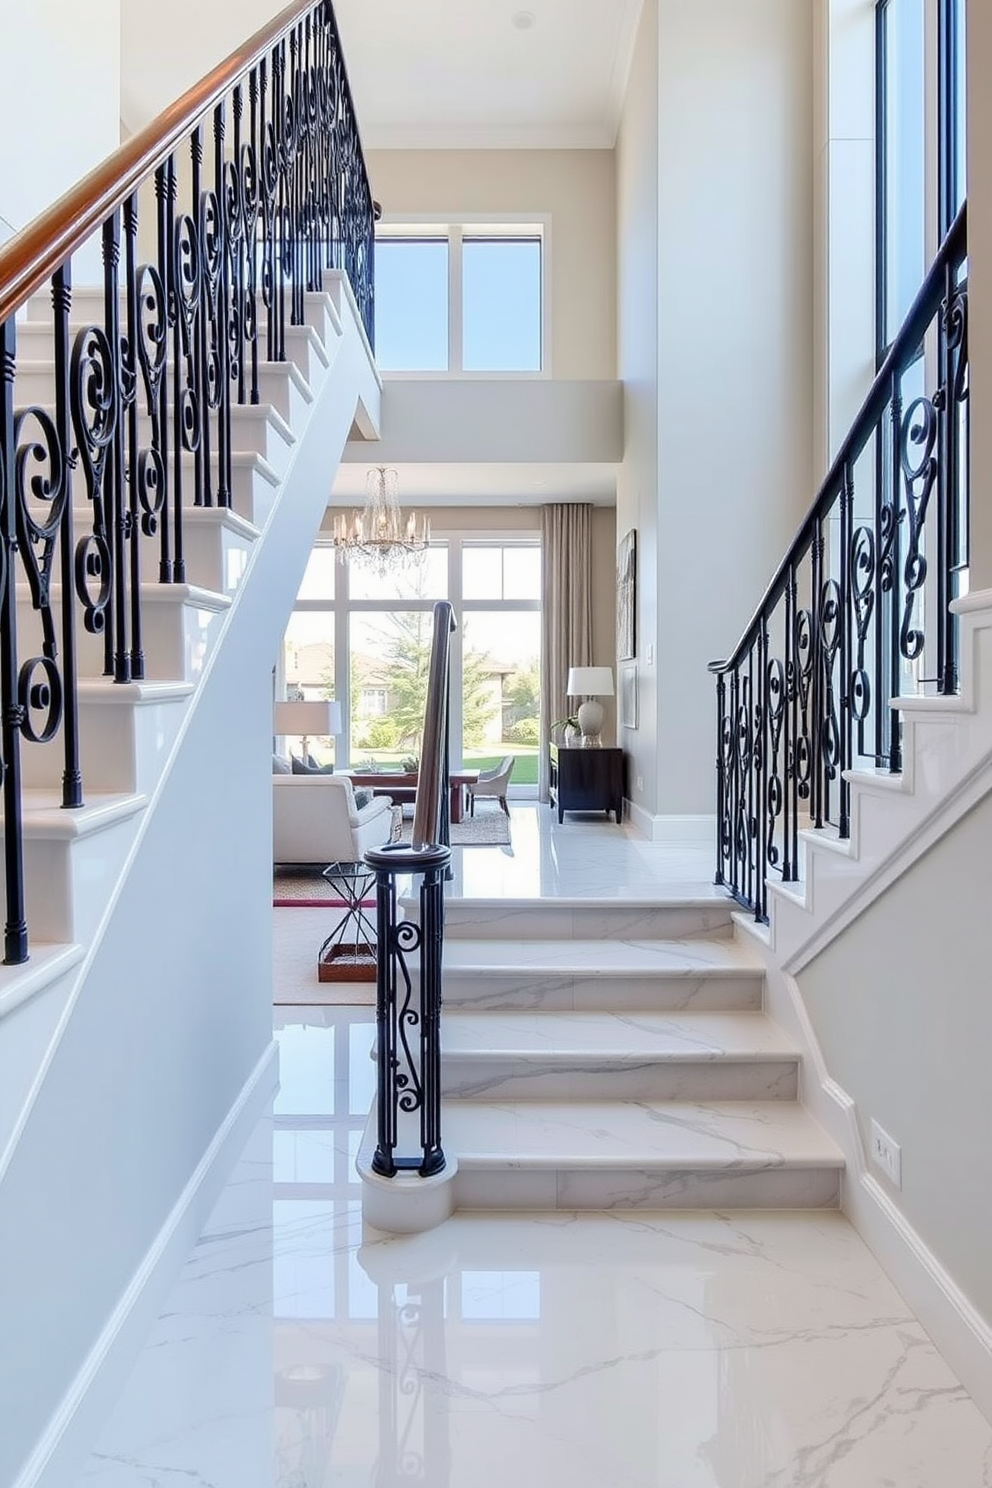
(911, 334)
(31, 257)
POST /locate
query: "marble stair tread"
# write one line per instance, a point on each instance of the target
(632, 1037)
(661, 1136)
(611, 959)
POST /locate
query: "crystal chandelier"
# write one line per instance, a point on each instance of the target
(379, 536)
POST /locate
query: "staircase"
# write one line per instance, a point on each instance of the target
(136, 1047)
(599, 1055)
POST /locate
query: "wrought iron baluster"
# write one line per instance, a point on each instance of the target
(72, 780)
(15, 928)
(129, 365)
(847, 681)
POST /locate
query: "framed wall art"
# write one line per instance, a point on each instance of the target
(627, 596)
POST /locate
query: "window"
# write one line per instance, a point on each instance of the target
(411, 304)
(460, 300)
(355, 635)
(920, 146)
(501, 305)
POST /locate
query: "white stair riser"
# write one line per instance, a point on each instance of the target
(122, 747)
(480, 921)
(564, 993)
(504, 1077)
(176, 636)
(623, 1188)
(216, 557)
(66, 881)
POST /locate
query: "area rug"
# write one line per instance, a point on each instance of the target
(295, 889)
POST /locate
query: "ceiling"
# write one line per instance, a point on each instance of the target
(522, 484)
(425, 73)
(436, 74)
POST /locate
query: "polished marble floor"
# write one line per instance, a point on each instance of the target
(624, 1350)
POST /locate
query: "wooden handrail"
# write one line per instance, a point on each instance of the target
(431, 777)
(31, 257)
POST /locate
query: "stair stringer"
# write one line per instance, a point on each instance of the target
(947, 751)
(162, 1056)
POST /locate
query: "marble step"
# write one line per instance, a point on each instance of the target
(583, 975)
(587, 919)
(615, 1056)
(639, 1155)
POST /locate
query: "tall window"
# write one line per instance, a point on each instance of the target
(920, 152)
(366, 641)
(460, 300)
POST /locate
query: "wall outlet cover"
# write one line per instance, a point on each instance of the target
(886, 1154)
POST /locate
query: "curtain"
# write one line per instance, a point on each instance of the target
(566, 612)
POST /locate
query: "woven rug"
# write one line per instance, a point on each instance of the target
(296, 888)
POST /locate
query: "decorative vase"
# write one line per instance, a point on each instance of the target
(571, 735)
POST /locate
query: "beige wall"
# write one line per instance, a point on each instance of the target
(574, 187)
(900, 1004)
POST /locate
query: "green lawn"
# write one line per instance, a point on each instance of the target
(524, 771)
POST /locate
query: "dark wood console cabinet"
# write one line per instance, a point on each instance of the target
(586, 780)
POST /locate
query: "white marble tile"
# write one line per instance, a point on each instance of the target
(626, 1349)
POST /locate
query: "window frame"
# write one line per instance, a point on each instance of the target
(513, 228)
(342, 607)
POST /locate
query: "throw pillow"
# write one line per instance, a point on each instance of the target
(281, 765)
(363, 796)
(299, 768)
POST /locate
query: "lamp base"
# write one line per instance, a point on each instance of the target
(590, 718)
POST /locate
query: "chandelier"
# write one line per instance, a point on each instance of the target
(379, 536)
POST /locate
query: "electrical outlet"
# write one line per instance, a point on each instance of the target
(886, 1154)
(640, 782)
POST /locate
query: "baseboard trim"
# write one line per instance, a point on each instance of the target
(59, 1455)
(672, 829)
(958, 1330)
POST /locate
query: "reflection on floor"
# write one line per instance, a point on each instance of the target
(599, 1351)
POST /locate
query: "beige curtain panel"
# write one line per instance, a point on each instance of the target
(566, 612)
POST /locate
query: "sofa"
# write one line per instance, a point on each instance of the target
(315, 819)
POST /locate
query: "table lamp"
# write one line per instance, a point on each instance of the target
(590, 682)
(300, 719)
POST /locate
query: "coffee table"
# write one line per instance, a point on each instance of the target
(402, 786)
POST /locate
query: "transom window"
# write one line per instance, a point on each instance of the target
(460, 300)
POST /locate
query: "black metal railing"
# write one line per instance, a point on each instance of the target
(408, 999)
(859, 611)
(211, 225)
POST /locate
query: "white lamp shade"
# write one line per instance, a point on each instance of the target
(311, 719)
(592, 681)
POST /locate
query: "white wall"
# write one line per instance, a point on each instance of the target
(637, 366)
(844, 217)
(575, 187)
(715, 326)
(735, 346)
(900, 1004)
(979, 24)
(60, 101)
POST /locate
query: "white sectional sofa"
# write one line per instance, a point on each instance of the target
(315, 820)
